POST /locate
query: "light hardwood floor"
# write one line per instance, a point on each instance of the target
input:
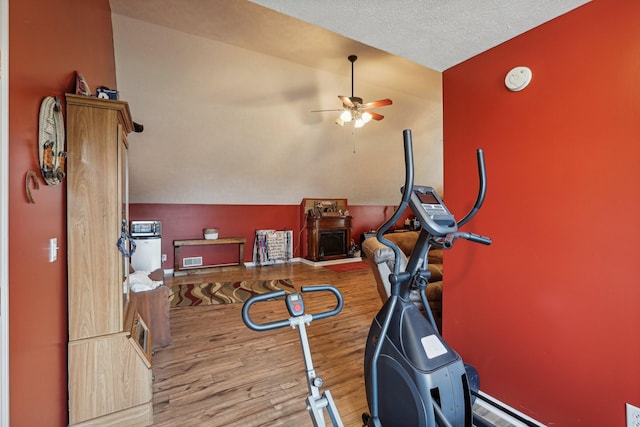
(217, 372)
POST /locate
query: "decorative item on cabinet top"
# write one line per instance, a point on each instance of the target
(82, 87)
(325, 207)
(102, 92)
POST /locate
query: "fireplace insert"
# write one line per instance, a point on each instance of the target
(332, 243)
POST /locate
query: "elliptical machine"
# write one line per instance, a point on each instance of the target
(412, 377)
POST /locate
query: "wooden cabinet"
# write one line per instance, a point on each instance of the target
(109, 364)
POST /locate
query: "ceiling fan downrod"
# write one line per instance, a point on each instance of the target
(352, 59)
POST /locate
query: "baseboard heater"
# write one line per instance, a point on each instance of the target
(504, 412)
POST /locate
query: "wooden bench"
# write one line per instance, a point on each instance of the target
(177, 244)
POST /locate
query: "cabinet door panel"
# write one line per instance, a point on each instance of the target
(92, 226)
(108, 376)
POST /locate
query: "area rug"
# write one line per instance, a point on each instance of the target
(192, 294)
(348, 266)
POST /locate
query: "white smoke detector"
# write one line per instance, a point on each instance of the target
(518, 78)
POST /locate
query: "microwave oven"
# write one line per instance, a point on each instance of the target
(145, 229)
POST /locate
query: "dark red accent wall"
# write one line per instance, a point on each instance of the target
(187, 221)
(550, 313)
(48, 41)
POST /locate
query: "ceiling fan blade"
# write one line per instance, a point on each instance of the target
(376, 116)
(376, 104)
(346, 101)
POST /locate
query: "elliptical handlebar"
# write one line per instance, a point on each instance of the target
(482, 190)
(267, 326)
(450, 239)
(406, 195)
(475, 238)
(451, 236)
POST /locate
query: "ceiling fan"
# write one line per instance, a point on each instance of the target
(354, 109)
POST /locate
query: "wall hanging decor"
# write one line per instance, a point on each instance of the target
(51, 141)
(31, 178)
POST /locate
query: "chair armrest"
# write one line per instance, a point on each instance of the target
(380, 253)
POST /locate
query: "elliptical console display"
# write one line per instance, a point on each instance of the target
(431, 211)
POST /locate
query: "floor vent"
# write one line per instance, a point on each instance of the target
(192, 261)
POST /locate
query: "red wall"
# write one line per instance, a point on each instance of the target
(550, 313)
(47, 42)
(188, 221)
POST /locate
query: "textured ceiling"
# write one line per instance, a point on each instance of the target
(437, 34)
(394, 40)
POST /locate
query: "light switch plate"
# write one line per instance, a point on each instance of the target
(53, 249)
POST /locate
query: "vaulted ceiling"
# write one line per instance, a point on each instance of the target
(396, 35)
(224, 85)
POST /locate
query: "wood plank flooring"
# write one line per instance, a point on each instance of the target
(217, 372)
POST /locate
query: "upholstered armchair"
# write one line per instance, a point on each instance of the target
(382, 260)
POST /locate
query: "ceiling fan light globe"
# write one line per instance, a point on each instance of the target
(359, 123)
(339, 121)
(346, 116)
(366, 117)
